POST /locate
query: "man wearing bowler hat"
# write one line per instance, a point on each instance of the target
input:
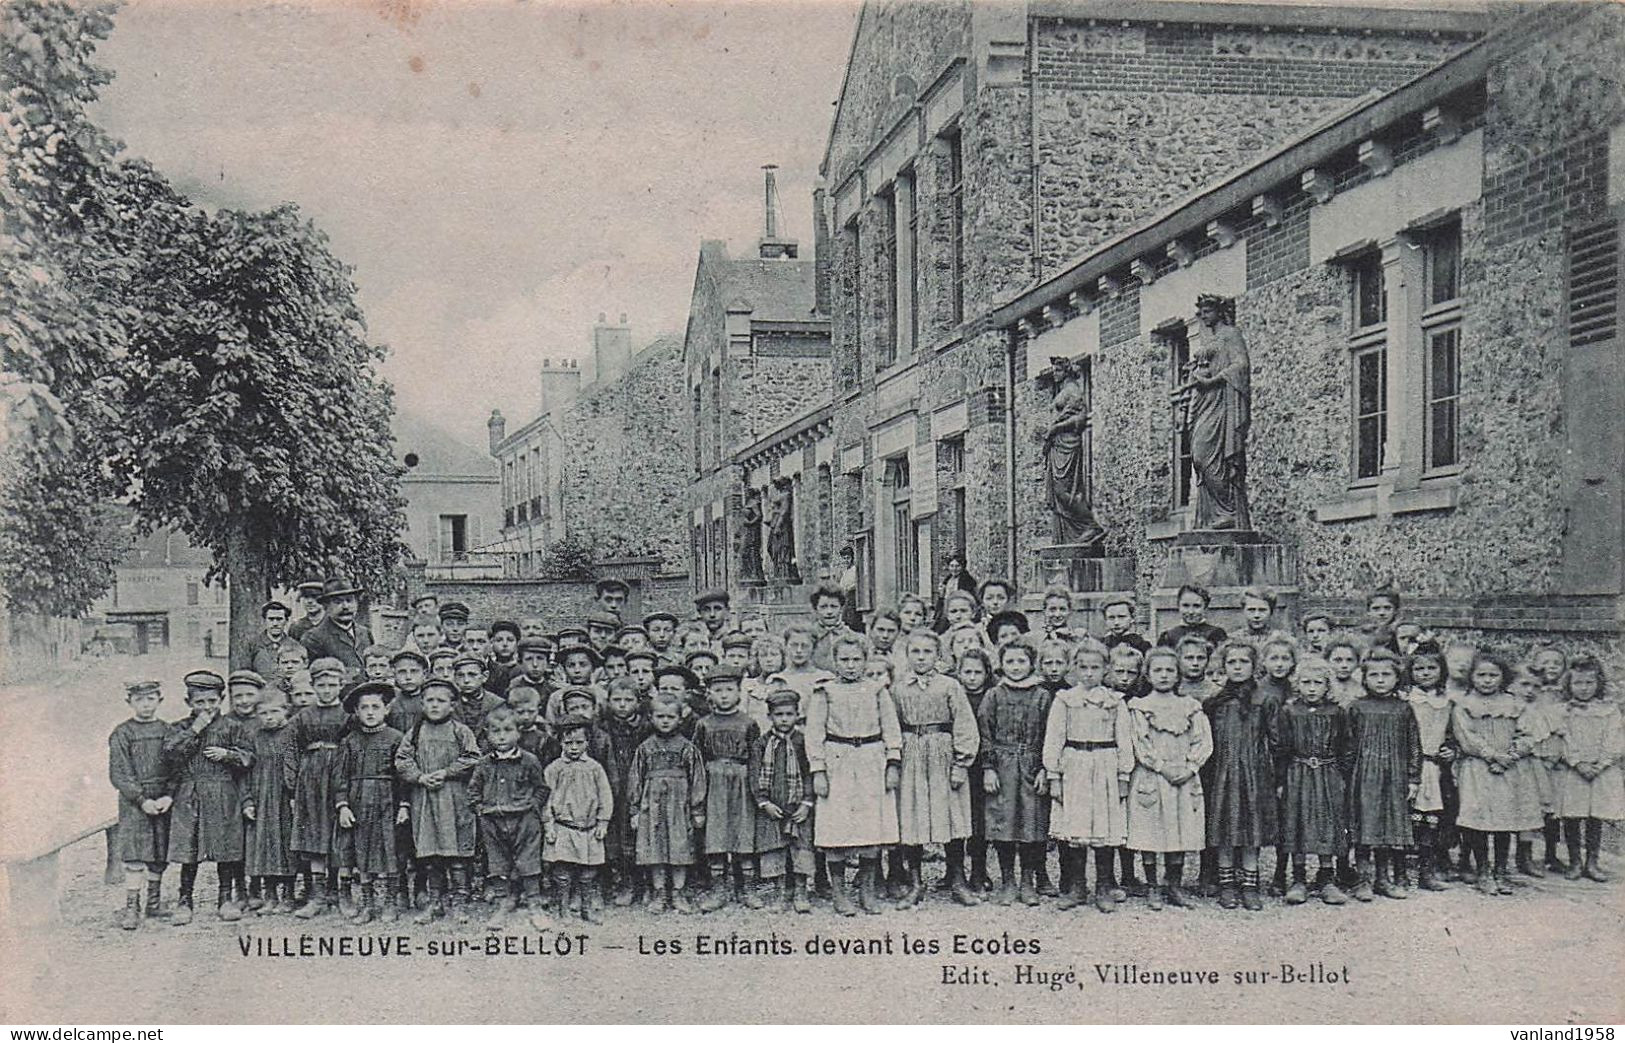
(310, 604)
(340, 635)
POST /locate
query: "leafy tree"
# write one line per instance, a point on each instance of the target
(61, 321)
(258, 425)
(571, 557)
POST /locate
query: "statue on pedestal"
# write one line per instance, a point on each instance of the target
(1216, 401)
(1066, 471)
(781, 537)
(750, 536)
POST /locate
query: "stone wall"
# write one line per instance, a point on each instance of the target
(627, 460)
(768, 391)
(562, 602)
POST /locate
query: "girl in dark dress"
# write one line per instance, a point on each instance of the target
(1241, 812)
(975, 675)
(367, 801)
(1012, 717)
(307, 767)
(1314, 821)
(1383, 758)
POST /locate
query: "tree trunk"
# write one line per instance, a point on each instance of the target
(246, 571)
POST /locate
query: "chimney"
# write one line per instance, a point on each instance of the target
(497, 426)
(561, 380)
(772, 245)
(821, 248)
(611, 348)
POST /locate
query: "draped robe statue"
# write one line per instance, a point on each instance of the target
(1066, 472)
(1218, 413)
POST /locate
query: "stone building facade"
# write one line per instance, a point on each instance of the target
(608, 464)
(755, 372)
(453, 495)
(975, 148)
(1429, 288)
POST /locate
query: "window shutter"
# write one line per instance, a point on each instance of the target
(476, 532)
(1594, 284)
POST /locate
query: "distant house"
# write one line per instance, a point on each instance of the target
(159, 600)
(453, 494)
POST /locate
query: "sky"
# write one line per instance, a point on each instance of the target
(498, 173)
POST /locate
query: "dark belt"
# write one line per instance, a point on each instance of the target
(929, 729)
(313, 746)
(572, 825)
(726, 757)
(854, 740)
(1091, 744)
(1316, 762)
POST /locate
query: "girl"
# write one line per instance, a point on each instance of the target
(666, 787)
(206, 757)
(939, 742)
(1012, 718)
(313, 739)
(1343, 653)
(1551, 668)
(800, 674)
(434, 763)
(1088, 760)
(575, 821)
(365, 799)
(879, 671)
(1171, 742)
(1241, 798)
(1487, 724)
(1458, 667)
(267, 809)
(725, 738)
(854, 746)
(766, 659)
(1383, 758)
(622, 729)
(1309, 736)
(910, 617)
(301, 691)
(1590, 787)
(1279, 658)
(1317, 632)
(1258, 606)
(975, 676)
(1433, 810)
(1543, 723)
(959, 640)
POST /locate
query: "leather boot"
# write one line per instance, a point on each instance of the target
(869, 886)
(226, 906)
(1385, 885)
(798, 897)
(388, 899)
(1078, 893)
(1028, 892)
(458, 897)
(315, 900)
(1526, 860)
(1427, 872)
(719, 895)
(155, 907)
(130, 918)
(913, 891)
(435, 907)
(366, 910)
(183, 910)
(746, 889)
(1363, 890)
(957, 886)
(839, 898)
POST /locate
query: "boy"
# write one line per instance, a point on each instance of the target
(411, 670)
(243, 688)
(661, 628)
(1057, 618)
(310, 604)
(736, 651)
(624, 727)
(265, 651)
(575, 821)
(712, 608)
(453, 625)
(701, 664)
(781, 782)
(535, 664)
(207, 756)
(375, 665)
(477, 641)
(426, 636)
(726, 739)
(884, 629)
(135, 767)
(680, 683)
(526, 704)
(473, 701)
(291, 657)
(440, 663)
(503, 661)
(601, 627)
(614, 663)
(995, 596)
(268, 809)
(532, 626)
(433, 763)
(508, 791)
(1118, 614)
(1317, 633)
(628, 637)
(579, 663)
(312, 748)
(828, 602)
(640, 669)
(1192, 602)
(366, 802)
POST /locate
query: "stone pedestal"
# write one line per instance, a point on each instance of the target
(1081, 568)
(1225, 562)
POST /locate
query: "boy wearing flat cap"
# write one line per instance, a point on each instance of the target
(601, 628)
(411, 671)
(453, 623)
(502, 662)
(135, 767)
(662, 630)
(781, 783)
(726, 738)
(610, 595)
(207, 755)
(576, 819)
(535, 665)
(310, 607)
(474, 700)
(712, 608)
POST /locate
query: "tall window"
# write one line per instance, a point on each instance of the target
(853, 371)
(453, 537)
(887, 352)
(1368, 350)
(956, 227)
(905, 537)
(1441, 332)
(1176, 338)
(191, 592)
(910, 319)
(716, 415)
(695, 408)
(951, 475)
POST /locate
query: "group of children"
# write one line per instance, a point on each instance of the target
(613, 763)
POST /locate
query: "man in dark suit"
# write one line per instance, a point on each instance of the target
(339, 634)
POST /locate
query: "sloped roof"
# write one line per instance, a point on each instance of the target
(776, 290)
(438, 453)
